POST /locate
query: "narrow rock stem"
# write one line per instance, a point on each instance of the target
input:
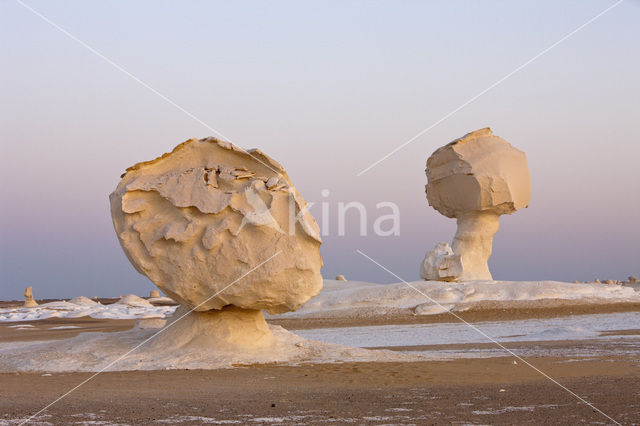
(473, 242)
(228, 329)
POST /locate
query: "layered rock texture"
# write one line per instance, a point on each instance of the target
(474, 179)
(215, 226)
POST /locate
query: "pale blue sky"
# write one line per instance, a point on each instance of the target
(326, 88)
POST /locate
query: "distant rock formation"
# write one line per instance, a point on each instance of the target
(219, 229)
(474, 179)
(154, 293)
(29, 301)
(83, 301)
(134, 301)
(340, 278)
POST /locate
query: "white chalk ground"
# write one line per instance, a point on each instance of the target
(357, 298)
(591, 328)
(129, 307)
(94, 351)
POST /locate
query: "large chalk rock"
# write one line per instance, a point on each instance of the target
(201, 220)
(474, 179)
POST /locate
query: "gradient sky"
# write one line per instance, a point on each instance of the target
(326, 88)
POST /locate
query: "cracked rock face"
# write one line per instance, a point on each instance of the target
(479, 172)
(199, 218)
(474, 179)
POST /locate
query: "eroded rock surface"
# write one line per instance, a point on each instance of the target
(474, 179)
(441, 264)
(200, 220)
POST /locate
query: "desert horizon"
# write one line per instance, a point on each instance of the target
(319, 213)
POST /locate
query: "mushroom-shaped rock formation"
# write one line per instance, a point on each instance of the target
(474, 179)
(154, 293)
(29, 302)
(219, 229)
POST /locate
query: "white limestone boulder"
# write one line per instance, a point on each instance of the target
(201, 220)
(441, 264)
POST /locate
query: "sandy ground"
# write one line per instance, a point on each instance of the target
(45, 329)
(570, 350)
(9, 332)
(486, 311)
(488, 391)
(463, 391)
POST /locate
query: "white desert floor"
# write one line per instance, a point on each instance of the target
(95, 351)
(600, 333)
(347, 298)
(344, 298)
(129, 307)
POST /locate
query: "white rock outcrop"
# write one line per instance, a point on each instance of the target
(220, 230)
(441, 264)
(29, 301)
(134, 301)
(474, 179)
(83, 301)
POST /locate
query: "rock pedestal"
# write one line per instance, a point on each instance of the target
(29, 301)
(474, 179)
(227, 329)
